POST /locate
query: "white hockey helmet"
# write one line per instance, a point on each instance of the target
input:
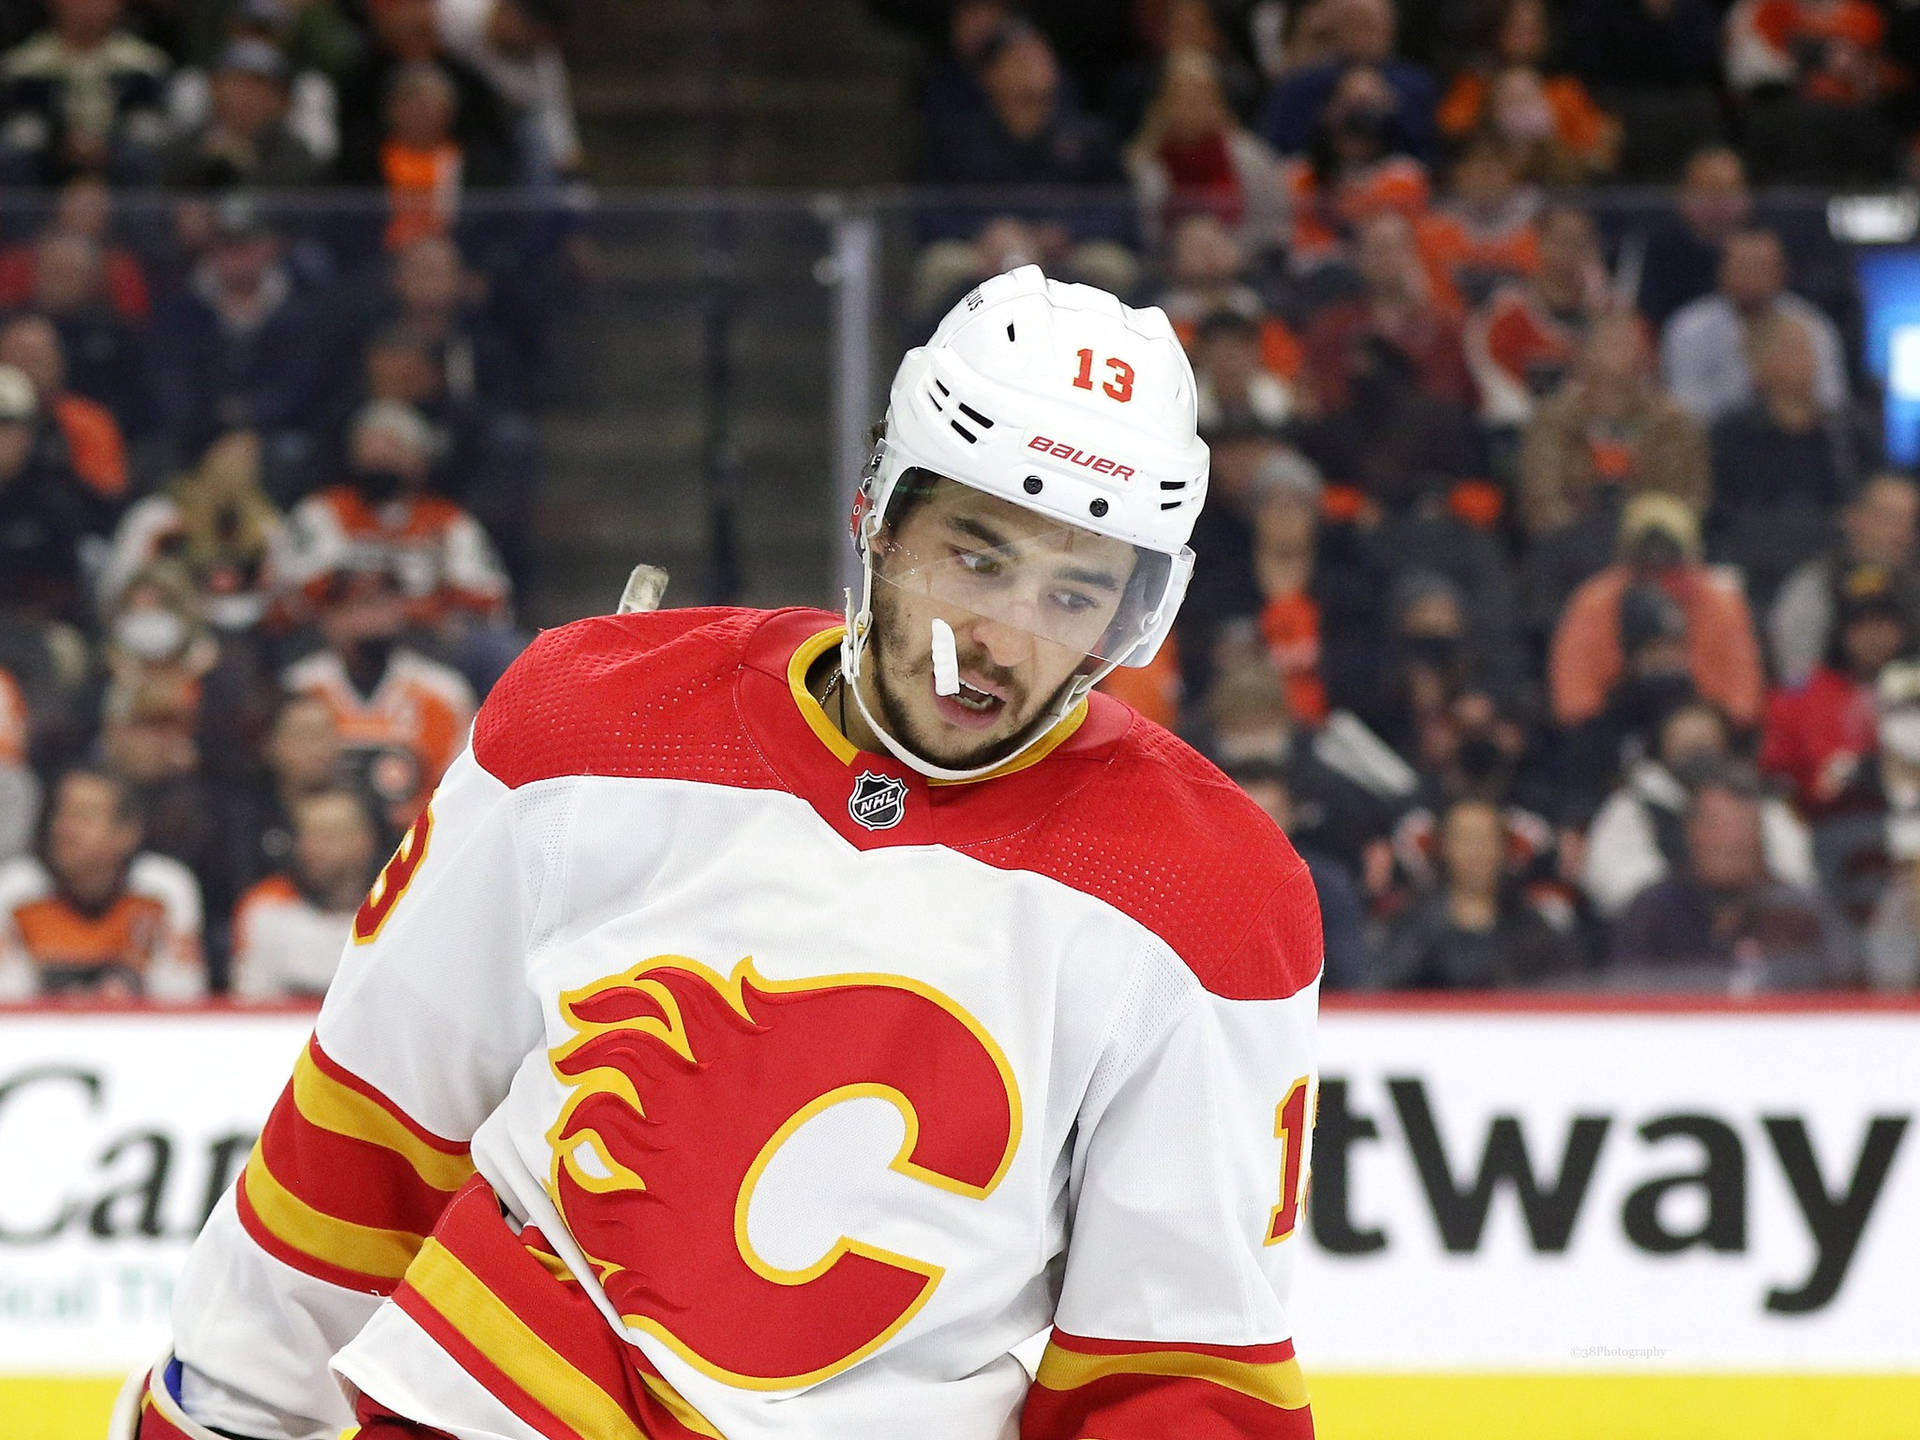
(1061, 400)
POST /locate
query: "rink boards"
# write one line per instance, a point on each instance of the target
(1638, 1218)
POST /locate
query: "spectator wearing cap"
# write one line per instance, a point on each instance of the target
(1609, 430)
(1783, 465)
(93, 913)
(290, 928)
(515, 44)
(1358, 33)
(1707, 347)
(95, 447)
(454, 585)
(247, 138)
(1682, 261)
(401, 716)
(1820, 734)
(1193, 156)
(83, 95)
(1659, 561)
(1475, 929)
(44, 511)
(1638, 835)
(317, 37)
(1429, 660)
(1880, 526)
(232, 351)
(1720, 921)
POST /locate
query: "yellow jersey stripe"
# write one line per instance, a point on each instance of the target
(505, 1339)
(1279, 1383)
(361, 1248)
(327, 1104)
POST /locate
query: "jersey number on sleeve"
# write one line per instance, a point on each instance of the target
(393, 880)
(1290, 1129)
(1120, 387)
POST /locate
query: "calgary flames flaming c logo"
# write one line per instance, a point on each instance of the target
(683, 1086)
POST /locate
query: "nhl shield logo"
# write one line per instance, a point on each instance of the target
(878, 802)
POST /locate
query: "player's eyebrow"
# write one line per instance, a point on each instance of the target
(1079, 575)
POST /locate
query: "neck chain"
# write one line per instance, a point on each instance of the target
(834, 688)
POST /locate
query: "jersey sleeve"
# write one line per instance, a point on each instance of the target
(427, 1019)
(1173, 1313)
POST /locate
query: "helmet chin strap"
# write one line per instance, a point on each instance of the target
(853, 649)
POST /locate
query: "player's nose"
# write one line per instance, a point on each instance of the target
(1006, 644)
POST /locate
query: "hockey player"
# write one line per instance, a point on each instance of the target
(770, 1024)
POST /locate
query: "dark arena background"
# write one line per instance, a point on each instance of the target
(1558, 588)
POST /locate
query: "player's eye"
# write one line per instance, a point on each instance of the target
(979, 562)
(1074, 602)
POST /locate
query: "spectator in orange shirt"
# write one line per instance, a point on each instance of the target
(289, 929)
(95, 913)
(95, 447)
(455, 587)
(1547, 122)
(401, 716)
(1356, 168)
(1523, 341)
(1485, 232)
(1717, 652)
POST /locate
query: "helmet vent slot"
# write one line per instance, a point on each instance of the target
(942, 388)
(935, 400)
(1171, 504)
(974, 415)
(1009, 330)
(964, 433)
(1173, 484)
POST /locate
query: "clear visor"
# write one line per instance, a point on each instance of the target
(969, 557)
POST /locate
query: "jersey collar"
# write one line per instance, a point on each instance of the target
(900, 805)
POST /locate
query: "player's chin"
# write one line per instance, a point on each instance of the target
(958, 745)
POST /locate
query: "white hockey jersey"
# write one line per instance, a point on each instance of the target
(800, 1089)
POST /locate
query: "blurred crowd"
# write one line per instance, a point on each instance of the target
(266, 458)
(1554, 589)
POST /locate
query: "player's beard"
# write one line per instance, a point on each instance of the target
(891, 644)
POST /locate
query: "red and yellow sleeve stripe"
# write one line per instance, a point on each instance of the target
(343, 1184)
(1121, 1390)
(507, 1309)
